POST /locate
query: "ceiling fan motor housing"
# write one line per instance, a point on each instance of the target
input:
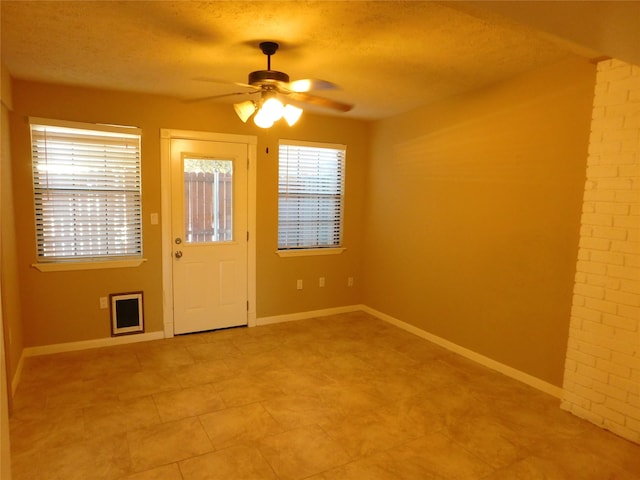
(267, 77)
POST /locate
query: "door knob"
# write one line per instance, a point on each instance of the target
(178, 254)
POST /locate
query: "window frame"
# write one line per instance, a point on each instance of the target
(54, 262)
(312, 250)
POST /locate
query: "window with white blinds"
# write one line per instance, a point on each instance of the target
(310, 195)
(87, 189)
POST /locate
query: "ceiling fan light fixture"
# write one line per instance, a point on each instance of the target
(273, 109)
(292, 114)
(262, 120)
(244, 110)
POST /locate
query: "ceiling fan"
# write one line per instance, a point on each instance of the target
(273, 86)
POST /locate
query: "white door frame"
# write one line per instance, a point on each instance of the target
(167, 245)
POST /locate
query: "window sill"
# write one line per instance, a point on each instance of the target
(309, 252)
(68, 266)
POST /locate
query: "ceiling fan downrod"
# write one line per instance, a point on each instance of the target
(269, 48)
(268, 77)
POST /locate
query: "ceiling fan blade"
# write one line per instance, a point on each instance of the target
(308, 84)
(320, 101)
(217, 80)
(214, 97)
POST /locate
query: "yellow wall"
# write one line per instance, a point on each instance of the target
(473, 211)
(11, 314)
(468, 227)
(276, 285)
(61, 307)
(10, 321)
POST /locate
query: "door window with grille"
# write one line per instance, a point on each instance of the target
(208, 200)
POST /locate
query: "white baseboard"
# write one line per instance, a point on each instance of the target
(455, 348)
(470, 354)
(87, 344)
(290, 317)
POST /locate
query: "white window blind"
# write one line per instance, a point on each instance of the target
(311, 195)
(87, 189)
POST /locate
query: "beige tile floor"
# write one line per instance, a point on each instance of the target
(340, 397)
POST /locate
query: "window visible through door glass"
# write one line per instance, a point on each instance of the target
(208, 200)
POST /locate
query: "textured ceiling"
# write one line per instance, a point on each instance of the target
(387, 57)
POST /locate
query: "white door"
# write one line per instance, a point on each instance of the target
(209, 234)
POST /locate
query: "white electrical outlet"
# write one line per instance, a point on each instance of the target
(321, 282)
(299, 285)
(350, 282)
(104, 302)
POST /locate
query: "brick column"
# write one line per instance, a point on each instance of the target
(602, 370)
